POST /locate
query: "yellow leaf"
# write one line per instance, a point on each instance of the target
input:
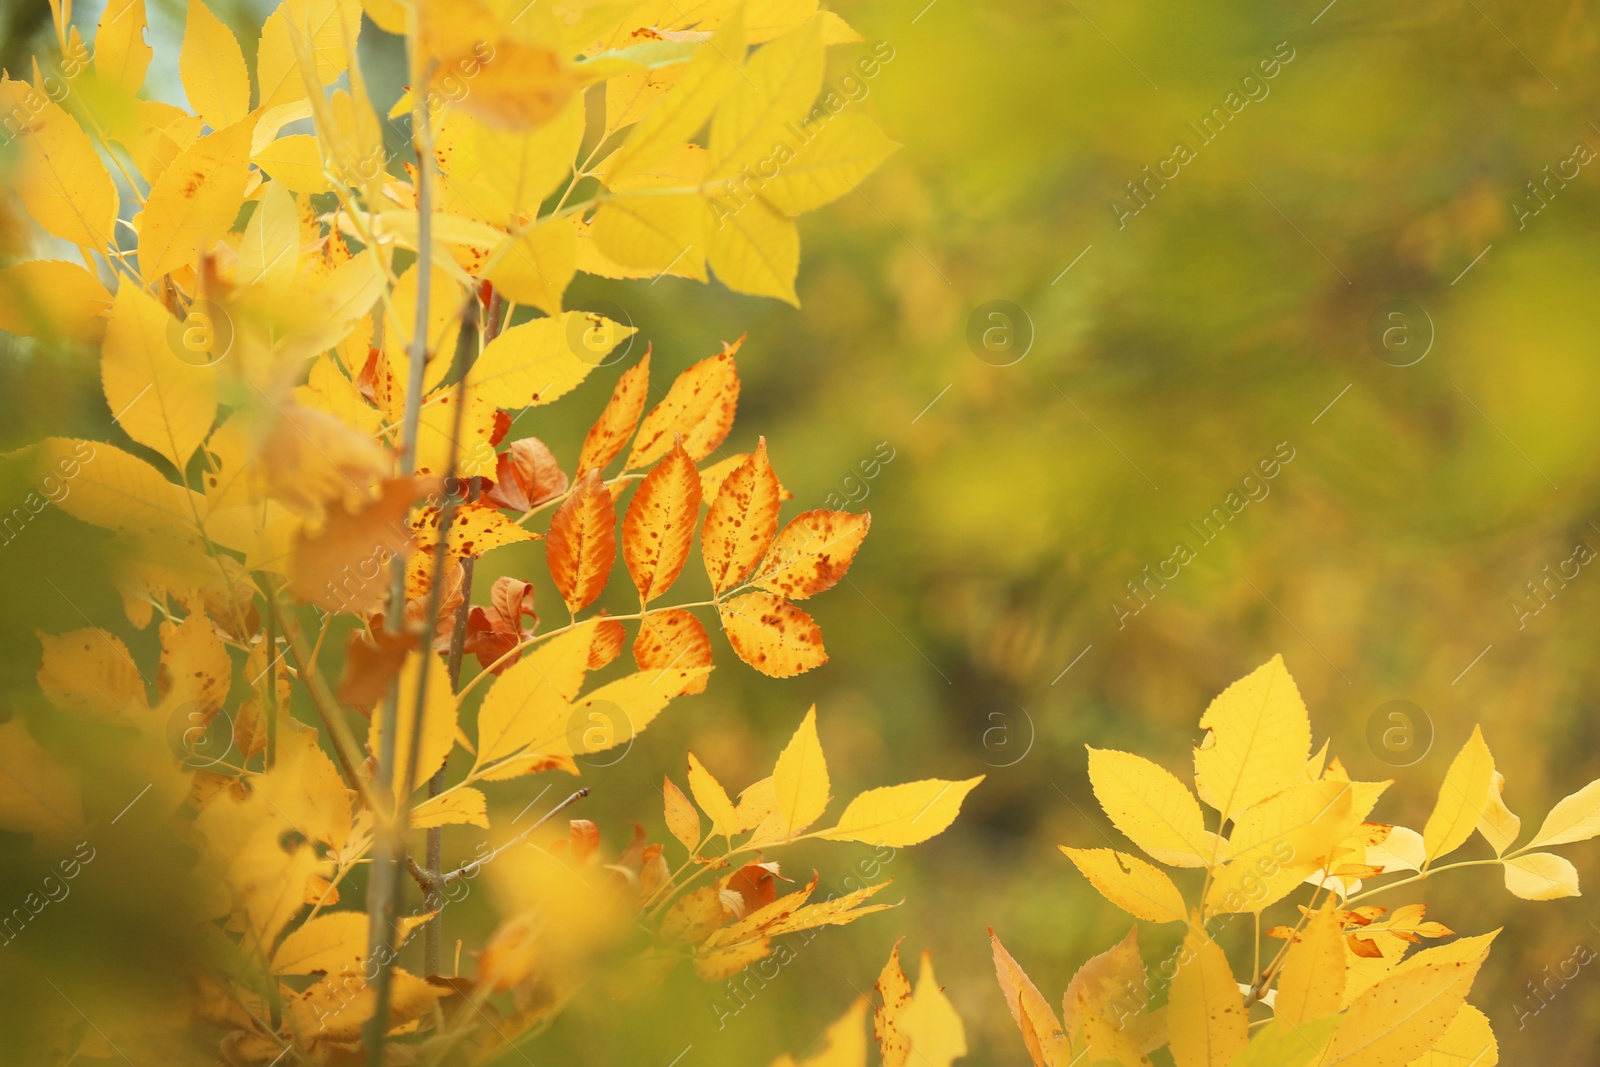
(1151, 807)
(899, 815)
(1282, 1044)
(826, 163)
(654, 232)
(212, 67)
(538, 266)
(120, 53)
(1276, 844)
(114, 490)
(693, 917)
(321, 29)
(1463, 798)
(52, 298)
(58, 175)
(1143, 891)
(845, 1043)
(1258, 741)
(1311, 985)
(659, 525)
(698, 408)
(269, 252)
(1041, 1030)
(615, 713)
(1541, 876)
(504, 176)
(812, 553)
(772, 635)
(529, 703)
(713, 800)
(1402, 1016)
(89, 672)
(631, 95)
(438, 723)
(195, 200)
(682, 818)
(540, 361)
(162, 395)
(1467, 1042)
(778, 86)
(1575, 818)
(714, 475)
(895, 992)
(1206, 1017)
(673, 638)
(295, 162)
(839, 911)
(330, 943)
(36, 794)
(1498, 825)
(196, 671)
(800, 780)
(684, 109)
(741, 520)
(462, 806)
(930, 1021)
(755, 249)
(1105, 1001)
(1402, 850)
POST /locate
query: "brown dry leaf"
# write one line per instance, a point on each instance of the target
(658, 528)
(526, 475)
(616, 423)
(672, 639)
(741, 521)
(699, 408)
(341, 567)
(495, 630)
(582, 543)
(373, 656)
(812, 553)
(772, 635)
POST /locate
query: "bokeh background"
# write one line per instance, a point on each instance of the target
(1142, 365)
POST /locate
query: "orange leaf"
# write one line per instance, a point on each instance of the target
(617, 422)
(772, 635)
(609, 635)
(670, 640)
(699, 408)
(741, 522)
(582, 543)
(659, 526)
(812, 553)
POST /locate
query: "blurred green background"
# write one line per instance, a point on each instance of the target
(1032, 480)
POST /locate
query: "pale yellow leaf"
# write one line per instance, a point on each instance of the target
(1575, 818)
(330, 943)
(296, 162)
(1499, 826)
(1281, 1044)
(930, 1021)
(462, 806)
(538, 266)
(1541, 876)
(438, 732)
(1467, 1042)
(777, 89)
(1402, 1016)
(323, 30)
(53, 298)
(682, 818)
(58, 175)
(615, 713)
